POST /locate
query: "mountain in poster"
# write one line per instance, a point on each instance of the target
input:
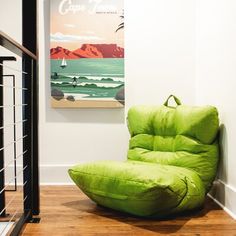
(88, 51)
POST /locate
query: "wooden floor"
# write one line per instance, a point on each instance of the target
(66, 211)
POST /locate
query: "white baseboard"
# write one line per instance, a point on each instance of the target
(55, 175)
(49, 175)
(225, 196)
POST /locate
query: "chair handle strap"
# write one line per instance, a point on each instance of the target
(177, 101)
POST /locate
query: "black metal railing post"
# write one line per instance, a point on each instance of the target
(27, 133)
(29, 40)
(35, 164)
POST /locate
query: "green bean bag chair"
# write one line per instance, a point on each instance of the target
(172, 161)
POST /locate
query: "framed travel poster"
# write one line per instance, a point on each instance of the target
(87, 53)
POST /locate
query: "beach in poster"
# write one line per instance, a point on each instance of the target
(87, 53)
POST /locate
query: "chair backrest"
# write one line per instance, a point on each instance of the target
(184, 136)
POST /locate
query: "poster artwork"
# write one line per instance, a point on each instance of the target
(87, 53)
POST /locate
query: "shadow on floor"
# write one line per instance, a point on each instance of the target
(165, 225)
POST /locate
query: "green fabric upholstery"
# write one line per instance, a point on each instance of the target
(172, 161)
(183, 136)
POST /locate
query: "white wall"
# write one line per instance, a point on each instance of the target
(10, 10)
(160, 60)
(11, 18)
(216, 83)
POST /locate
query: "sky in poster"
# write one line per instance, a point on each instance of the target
(77, 22)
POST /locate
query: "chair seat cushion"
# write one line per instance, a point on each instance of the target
(143, 189)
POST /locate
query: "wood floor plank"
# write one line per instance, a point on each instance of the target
(65, 210)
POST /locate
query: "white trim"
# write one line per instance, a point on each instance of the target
(49, 174)
(227, 185)
(224, 195)
(55, 175)
(223, 207)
